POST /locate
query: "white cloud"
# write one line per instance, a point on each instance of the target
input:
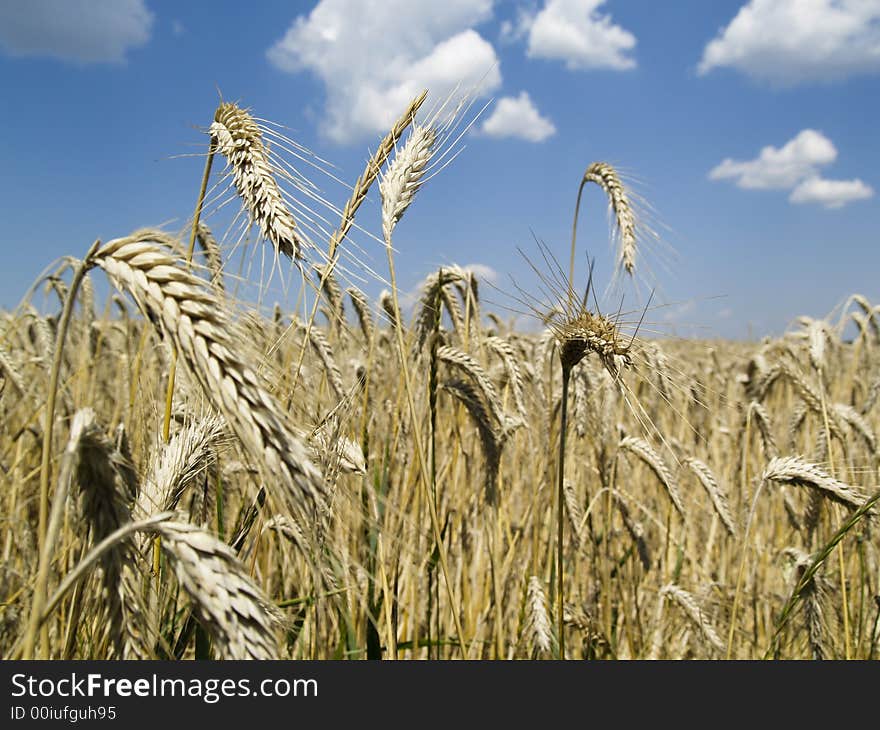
(795, 166)
(83, 31)
(780, 168)
(678, 312)
(793, 41)
(483, 272)
(177, 28)
(518, 117)
(374, 56)
(575, 32)
(830, 193)
(516, 29)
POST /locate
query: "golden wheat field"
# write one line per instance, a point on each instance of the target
(187, 473)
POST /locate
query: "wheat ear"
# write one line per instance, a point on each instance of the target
(858, 423)
(241, 620)
(177, 465)
(213, 257)
(237, 136)
(718, 497)
(762, 419)
(651, 458)
(10, 371)
(405, 176)
(538, 624)
(362, 309)
(198, 325)
(795, 470)
(371, 171)
(469, 366)
(491, 440)
(688, 604)
(433, 290)
(514, 374)
(814, 595)
(606, 177)
(325, 354)
(574, 511)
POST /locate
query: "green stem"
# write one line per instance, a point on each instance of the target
(810, 572)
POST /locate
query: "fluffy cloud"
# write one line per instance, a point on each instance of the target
(83, 31)
(793, 41)
(795, 166)
(780, 168)
(518, 117)
(576, 32)
(830, 193)
(374, 56)
(483, 272)
(677, 313)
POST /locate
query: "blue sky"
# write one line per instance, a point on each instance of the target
(749, 126)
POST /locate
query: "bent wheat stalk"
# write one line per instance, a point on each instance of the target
(188, 313)
(606, 177)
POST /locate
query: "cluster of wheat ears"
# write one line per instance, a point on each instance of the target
(185, 476)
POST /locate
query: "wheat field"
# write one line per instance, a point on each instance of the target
(188, 473)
